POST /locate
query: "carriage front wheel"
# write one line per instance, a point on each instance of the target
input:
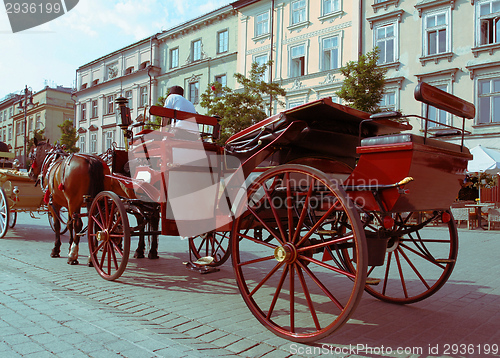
(214, 244)
(4, 213)
(287, 253)
(108, 235)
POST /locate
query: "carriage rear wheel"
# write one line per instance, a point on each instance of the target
(418, 260)
(4, 213)
(214, 244)
(12, 218)
(287, 247)
(108, 235)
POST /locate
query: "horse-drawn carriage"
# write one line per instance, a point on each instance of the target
(314, 205)
(17, 192)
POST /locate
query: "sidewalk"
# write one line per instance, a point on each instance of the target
(158, 308)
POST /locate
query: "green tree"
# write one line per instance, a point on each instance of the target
(241, 108)
(68, 136)
(364, 81)
(156, 122)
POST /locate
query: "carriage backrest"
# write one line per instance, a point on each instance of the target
(443, 100)
(208, 125)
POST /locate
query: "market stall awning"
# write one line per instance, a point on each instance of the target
(484, 160)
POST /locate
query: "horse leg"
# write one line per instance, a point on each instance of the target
(56, 250)
(76, 226)
(153, 251)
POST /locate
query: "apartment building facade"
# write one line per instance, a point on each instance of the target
(199, 52)
(191, 55)
(127, 72)
(308, 41)
(8, 106)
(45, 110)
(451, 44)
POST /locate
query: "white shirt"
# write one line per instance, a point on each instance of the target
(177, 102)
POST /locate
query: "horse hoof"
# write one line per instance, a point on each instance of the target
(54, 255)
(90, 264)
(138, 255)
(153, 256)
(72, 262)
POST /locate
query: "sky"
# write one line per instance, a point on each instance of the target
(49, 54)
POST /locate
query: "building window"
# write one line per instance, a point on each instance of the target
(196, 50)
(489, 101)
(110, 104)
(83, 111)
(222, 79)
(223, 41)
(438, 115)
(93, 143)
(109, 138)
(489, 22)
(292, 104)
(388, 101)
(194, 89)
(82, 143)
(9, 133)
(129, 97)
(95, 108)
(297, 60)
(436, 33)
(330, 6)
(143, 96)
(38, 122)
(262, 24)
(298, 12)
(262, 60)
(174, 57)
(331, 53)
(385, 40)
(1, 116)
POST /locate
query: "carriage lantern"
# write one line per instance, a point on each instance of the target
(126, 121)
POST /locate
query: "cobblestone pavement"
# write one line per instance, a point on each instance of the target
(158, 308)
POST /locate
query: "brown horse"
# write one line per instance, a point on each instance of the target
(67, 178)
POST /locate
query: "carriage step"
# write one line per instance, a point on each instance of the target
(445, 261)
(372, 281)
(326, 232)
(202, 261)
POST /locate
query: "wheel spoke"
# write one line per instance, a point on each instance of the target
(275, 214)
(316, 225)
(431, 260)
(321, 286)
(261, 259)
(267, 277)
(303, 213)
(327, 266)
(413, 267)
(277, 292)
(308, 298)
(401, 276)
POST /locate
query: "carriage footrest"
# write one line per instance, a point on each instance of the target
(327, 232)
(200, 269)
(372, 281)
(445, 261)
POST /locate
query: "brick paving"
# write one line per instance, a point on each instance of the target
(160, 309)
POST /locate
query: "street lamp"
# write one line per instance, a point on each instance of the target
(28, 102)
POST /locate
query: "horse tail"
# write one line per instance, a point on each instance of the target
(96, 173)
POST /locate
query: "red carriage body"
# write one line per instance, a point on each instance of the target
(330, 193)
